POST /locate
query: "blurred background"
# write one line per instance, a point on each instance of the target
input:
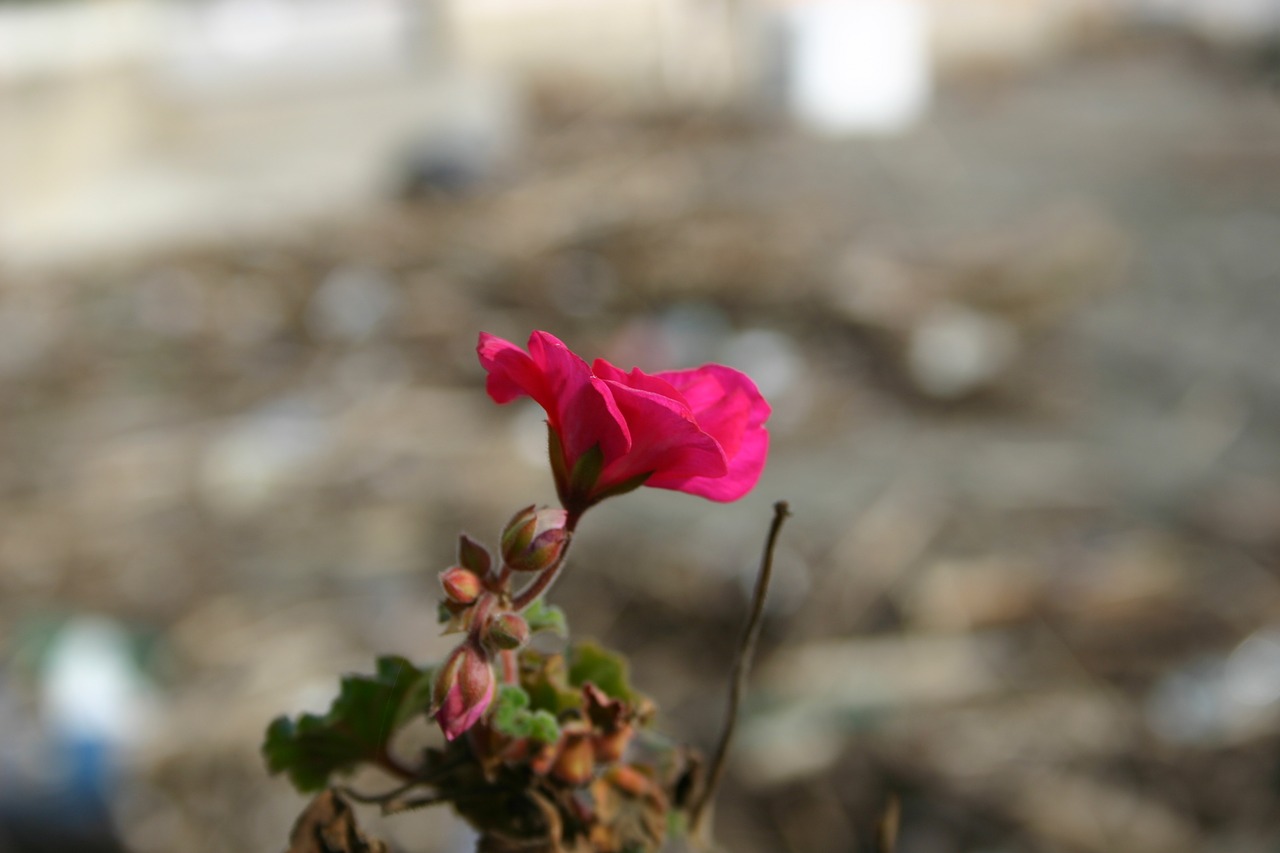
(1006, 269)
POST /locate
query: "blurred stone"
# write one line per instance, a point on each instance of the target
(30, 325)
(877, 675)
(955, 351)
(1098, 815)
(352, 304)
(256, 455)
(959, 316)
(1127, 576)
(1220, 699)
(172, 303)
(957, 594)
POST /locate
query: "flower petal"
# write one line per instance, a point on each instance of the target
(743, 474)
(665, 440)
(578, 405)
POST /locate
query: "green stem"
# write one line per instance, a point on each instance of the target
(543, 581)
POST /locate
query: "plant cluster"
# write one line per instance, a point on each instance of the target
(541, 749)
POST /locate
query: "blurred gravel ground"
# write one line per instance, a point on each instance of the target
(1027, 408)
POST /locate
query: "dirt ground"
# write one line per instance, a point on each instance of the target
(1025, 371)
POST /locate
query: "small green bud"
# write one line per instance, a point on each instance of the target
(507, 631)
(534, 539)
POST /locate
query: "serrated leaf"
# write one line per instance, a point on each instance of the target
(603, 668)
(546, 617)
(513, 723)
(366, 712)
(543, 727)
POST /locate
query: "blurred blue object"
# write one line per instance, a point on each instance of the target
(91, 695)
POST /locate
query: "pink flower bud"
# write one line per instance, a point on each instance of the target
(463, 690)
(507, 631)
(534, 539)
(462, 586)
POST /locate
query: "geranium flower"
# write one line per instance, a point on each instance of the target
(698, 431)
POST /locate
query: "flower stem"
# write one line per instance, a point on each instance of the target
(544, 580)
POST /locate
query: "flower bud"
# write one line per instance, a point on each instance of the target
(534, 539)
(507, 631)
(462, 586)
(463, 690)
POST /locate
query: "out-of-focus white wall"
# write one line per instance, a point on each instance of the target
(135, 123)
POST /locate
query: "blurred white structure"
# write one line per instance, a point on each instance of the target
(858, 66)
(130, 124)
(127, 124)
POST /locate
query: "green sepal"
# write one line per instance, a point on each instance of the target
(474, 556)
(545, 617)
(586, 472)
(356, 728)
(559, 465)
(623, 487)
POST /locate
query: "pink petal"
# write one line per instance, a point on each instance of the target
(639, 380)
(581, 408)
(665, 440)
(512, 373)
(578, 405)
(743, 474)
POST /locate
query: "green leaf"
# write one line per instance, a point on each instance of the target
(601, 667)
(366, 712)
(514, 723)
(547, 684)
(545, 617)
(510, 697)
(543, 727)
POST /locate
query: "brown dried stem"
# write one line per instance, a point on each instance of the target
(741, 669)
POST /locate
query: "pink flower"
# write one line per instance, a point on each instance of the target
(698, 431)
(463, 690)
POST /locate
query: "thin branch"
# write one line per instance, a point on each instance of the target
(741, 668)
(387, 796)
(397, 806)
